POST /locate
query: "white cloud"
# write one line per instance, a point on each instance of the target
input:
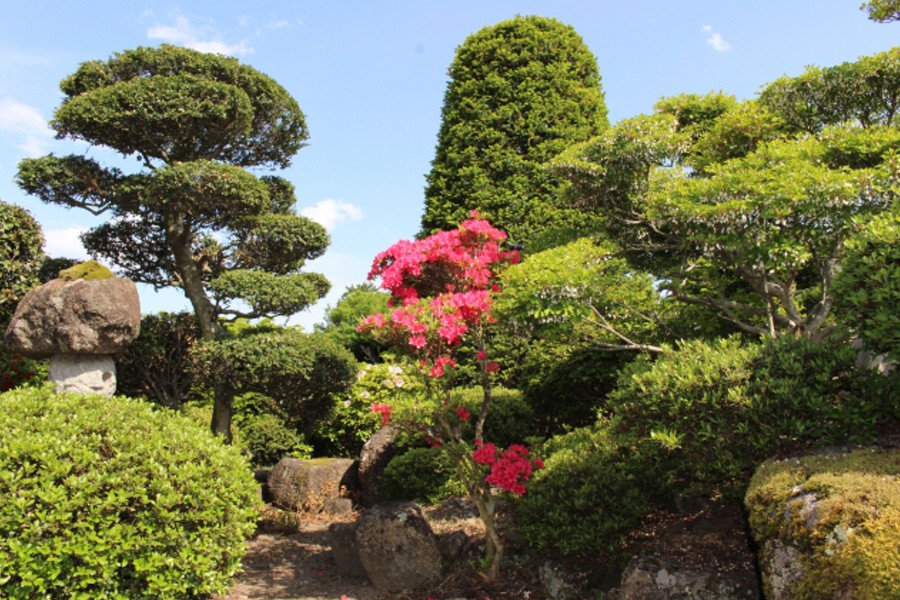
(10, 58)
(715, 39)
(203, 39)
(65, 243)
(329, 213)
(26, 125)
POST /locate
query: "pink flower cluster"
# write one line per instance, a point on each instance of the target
(463, 258)
(510, 469)
(443, 285)
(384, 410)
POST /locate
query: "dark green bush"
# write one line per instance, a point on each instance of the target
(304, 373)
(595, 486)
(565, 384)
(510, 419)
(157, 364)
(421, 475)
(268, 439)
(867, 290)
(109, 498)
(727, 405)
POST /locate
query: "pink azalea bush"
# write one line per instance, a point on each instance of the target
(442, 289)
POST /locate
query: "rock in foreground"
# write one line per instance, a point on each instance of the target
(827, 524)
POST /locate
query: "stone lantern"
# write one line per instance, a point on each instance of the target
(80, 320)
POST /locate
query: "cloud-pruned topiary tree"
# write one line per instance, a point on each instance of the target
(191, 215)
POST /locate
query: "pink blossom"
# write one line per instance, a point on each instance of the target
(486, 454)
(384, 410)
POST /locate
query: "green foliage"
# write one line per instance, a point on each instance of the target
(564, 383)
(21, 256)
(421, 475)
(743, 209)
(21, 241)
(268, 293)
(734, 134)
(582, 291)
(304, 373)
(510, 420)
(852, 542)
(108, 498)
(595, 486)
(177, 104)
(864, 91)
(867, 290)
(727, 405)
(695, 114)
(157, 364)
(341, 320)
(882, 11)
(353, 421)
(268, 439)
(519, 93)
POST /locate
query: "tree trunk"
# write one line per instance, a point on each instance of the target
(179, 237)
(222, 410)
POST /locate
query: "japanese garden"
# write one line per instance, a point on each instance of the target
(684, 319)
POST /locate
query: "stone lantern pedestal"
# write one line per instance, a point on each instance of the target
(80, 324)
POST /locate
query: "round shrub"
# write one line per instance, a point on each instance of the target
(268, 439)
(109, 498)
(421, 475)
(595, 486)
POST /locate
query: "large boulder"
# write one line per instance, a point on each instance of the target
(826, 524)
(373, 460)
(92, 317)
(397, 547)
(309, 485)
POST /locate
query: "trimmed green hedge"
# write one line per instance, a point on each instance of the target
(109, 498)
(727, 405)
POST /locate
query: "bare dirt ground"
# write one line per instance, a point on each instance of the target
(287, 560)
(291, 560)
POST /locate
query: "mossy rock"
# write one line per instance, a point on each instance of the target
(88, 270)
(828, 524)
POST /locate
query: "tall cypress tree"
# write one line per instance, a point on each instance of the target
(520, 92)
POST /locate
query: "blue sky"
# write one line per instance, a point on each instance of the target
(370, 77)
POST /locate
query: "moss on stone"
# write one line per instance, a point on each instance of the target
(841, 511)
(88, 270)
